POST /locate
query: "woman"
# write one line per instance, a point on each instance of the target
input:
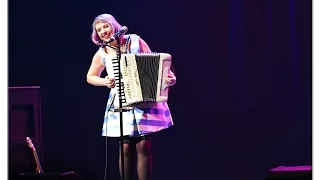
(144, 118)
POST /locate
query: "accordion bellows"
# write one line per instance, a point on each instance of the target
(143, 77)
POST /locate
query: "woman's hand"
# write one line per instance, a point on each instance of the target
(110, 82)
(171, 79)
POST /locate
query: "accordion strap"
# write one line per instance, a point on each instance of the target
(127, 50)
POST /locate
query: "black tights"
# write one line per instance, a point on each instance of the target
(142, 145)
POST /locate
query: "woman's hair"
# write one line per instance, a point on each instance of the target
(107, 18)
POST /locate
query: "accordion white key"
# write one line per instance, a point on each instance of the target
(143, 77)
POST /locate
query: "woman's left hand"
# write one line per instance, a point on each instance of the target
(171, 79)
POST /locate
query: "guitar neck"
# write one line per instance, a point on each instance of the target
(38, 164)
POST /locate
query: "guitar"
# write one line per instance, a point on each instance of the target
(35, 155)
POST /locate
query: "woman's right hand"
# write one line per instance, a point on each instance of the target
(110, 82)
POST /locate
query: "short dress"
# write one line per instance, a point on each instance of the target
(143, 118)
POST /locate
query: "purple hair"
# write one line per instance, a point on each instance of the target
(104, 18)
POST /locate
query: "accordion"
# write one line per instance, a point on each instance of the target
(142, 77)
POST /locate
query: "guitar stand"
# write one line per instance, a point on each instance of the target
(50, 176)
(40, 174)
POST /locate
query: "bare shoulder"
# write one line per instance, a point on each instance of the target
(97, 57)
(96, 66)
(144, 47)
(97, 54)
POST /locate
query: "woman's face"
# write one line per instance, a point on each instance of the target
(104, 30)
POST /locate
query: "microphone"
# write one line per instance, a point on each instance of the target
(123, 30)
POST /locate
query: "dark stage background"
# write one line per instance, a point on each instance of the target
(241, 105)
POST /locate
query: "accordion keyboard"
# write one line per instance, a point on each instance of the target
(117, 76)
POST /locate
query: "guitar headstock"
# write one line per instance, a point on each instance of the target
(30, 144)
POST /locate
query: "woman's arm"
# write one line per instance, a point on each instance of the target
(94, 72)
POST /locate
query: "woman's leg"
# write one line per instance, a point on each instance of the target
(144, 158)
(128, 158)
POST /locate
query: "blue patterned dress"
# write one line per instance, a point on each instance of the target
(144, 118)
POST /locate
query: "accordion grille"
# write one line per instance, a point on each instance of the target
(148, 67)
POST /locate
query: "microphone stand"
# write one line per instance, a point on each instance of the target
(120, 109)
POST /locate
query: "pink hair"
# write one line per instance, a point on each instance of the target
(108, 18)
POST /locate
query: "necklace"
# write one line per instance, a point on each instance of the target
(122, 48)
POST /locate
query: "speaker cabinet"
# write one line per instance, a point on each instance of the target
(290, 173)
(24, 121)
